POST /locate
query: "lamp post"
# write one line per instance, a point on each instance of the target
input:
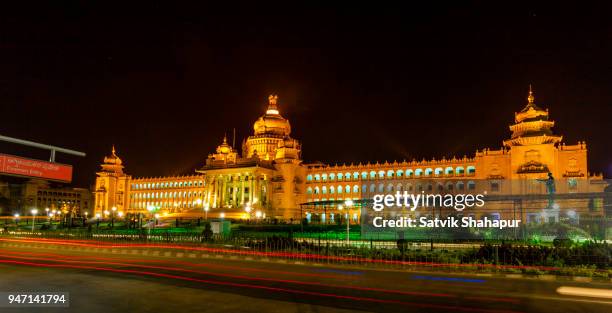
(113, 210)
(348, 203)
(34, 212)
(16, 219)
(248, 210)
(206, 208)
(97, 220)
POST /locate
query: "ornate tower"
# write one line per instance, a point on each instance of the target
(271, 141)
(536, 151)
(270, 130)
(112, 185)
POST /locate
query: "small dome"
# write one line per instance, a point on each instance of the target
(113, 158)
(272, 123)
(224, 148)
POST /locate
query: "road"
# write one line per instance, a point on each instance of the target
(126, 280)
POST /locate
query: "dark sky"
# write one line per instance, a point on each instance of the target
(164, 83)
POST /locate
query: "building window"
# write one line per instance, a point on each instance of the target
(471, 185)
(495, 186)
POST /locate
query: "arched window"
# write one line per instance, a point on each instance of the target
(418, 172)
(399, 173)
(399, 187)
(324, 190)
(390, 188)
(317, 177)
(324, 177)
(355, 189)
(364, 175)
(355, 175)
(438, 171)
(459, 170)
(440, 187)
(347, 189)
(428, 171)
(339, 176)
(419, 187)
(332, 189)
(372, 188)
(390, 173)
(471, 185)
(448, 170)
(449, 186)
(471, 170)
(381, 188)
(372, 175)
(347, 176)
(340, 189)
(316, 190)
(332, 177)
(409, 187)
(429, 187)
(381, 174)
(409, 173)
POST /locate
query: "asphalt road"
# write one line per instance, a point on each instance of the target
(118, 282)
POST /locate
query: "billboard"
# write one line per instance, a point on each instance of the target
(18, 166)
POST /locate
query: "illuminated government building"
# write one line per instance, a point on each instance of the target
(270, 179)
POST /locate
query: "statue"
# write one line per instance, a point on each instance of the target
(550, 189)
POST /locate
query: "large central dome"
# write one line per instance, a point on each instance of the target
(272, 123)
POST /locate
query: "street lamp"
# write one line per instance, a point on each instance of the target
(156, 218)
(47, 209)
(248, 210)
(348, 203)
(206, 208)
(222, 215)
(34, 212)
(16, 219)
(113, 209)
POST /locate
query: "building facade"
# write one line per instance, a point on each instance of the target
(20, 196)
(270, 178)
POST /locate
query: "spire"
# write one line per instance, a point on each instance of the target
(530, 97)
(114, 152)
(224, 139)
(272, 107)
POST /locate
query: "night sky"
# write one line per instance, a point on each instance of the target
(164, 83)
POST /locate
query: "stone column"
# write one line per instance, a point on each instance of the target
(242, 188)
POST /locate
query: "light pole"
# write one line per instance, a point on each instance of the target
(97, 220)
(248, 210)
(16, 219)
(206, 208)
(113, 209)
(34, 212)
(348, 203)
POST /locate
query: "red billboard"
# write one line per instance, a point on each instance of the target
(14, 165)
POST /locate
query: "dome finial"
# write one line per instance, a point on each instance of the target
(272, 99)
(530, 97)
(224, 139)
(113, 150)
(272, 107)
